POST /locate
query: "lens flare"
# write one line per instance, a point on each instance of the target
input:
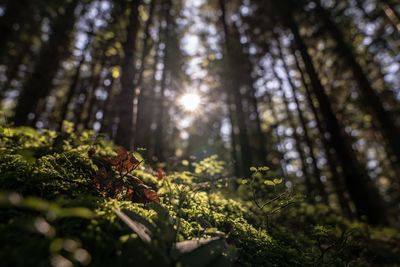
(190, 101)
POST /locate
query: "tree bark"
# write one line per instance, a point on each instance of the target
(145, 112)
(316, 171)
(39, 84)
(74, 83)
(234, 90)
(302, 157)
(126, 96)
(139, 92)
(370, 97)
(15, 12)
(260, 136)
(366, 198)
(106, 109)
(159, 134)
(336, 177)
(96, 79)
(280, 149)
(12, 70)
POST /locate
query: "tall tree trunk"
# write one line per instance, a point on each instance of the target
(74, 83)
(126, 96)
(245, 66)
(297, 140)
(234, 90)
(145, 112)
(370, 97)
(106, 109)
(333, 164)
(316, 171)
(109, 111)
(261, 140)
(146, 45)
(233, 139)
(366, 198)
(87, 91)
(13, 69)
(96, 79)
(260, 136)
(15, 12)
(139, 93)
(159, 133)
(39, 84)
(279, 148)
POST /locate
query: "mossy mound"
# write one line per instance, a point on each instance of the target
(54, 213)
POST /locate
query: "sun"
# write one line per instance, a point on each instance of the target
(190, 101)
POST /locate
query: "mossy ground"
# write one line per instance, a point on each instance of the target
(52, 214)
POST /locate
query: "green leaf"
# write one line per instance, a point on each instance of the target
(138, 156)
(76, 212)
(269, 183)
(35, 204)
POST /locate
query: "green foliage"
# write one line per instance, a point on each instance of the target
(52, 213)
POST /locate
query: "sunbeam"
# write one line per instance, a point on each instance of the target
(190, 101)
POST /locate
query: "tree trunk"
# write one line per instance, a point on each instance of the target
(260, 136)
(234, 90)
(159, 134)
(96, 78)
(15, 12)
(234, 152)
(139, 92)
(12, 70)
(39, 84)
(280, 149)
(316, 171)
(126, 96)
(333, 164)
(261, 141)
(366, 198)
(302, 157)
(370, 97)
(109, 111)
(145, 112)
(106, 107)
(74, 83)
(363, 193)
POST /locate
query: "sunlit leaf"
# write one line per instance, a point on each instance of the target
(115, 72)
(263, 168)
(269, 183)
(76, 212)
(253, 169)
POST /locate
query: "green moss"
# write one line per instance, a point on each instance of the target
(57, 172)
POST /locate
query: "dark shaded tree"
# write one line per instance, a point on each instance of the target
(362, 192)
(124, 133)
(39, 84)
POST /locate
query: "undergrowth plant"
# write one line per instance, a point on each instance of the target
(69, 199)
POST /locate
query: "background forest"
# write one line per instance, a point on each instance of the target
(283, 115)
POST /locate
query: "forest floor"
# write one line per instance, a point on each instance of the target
(77, 200)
